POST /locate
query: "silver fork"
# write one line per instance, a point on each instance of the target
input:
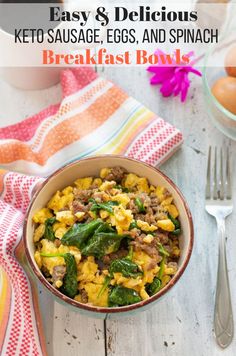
(219, 204)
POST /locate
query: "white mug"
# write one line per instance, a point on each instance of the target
(33, 77)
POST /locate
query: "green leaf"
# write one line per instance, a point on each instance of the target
(105, 285)
(153, 287)
(162, 268)
(103, 243)
(70, 284)
(133, 225)
(104, 227)
(126, 267)
(176, 232)
(120, 296)
(124, 189)
(49, 233)
(139, 204)
(78, 234)
(174, 221)
(162, 250)
(131, 253)
(108, 206)
(51, 254)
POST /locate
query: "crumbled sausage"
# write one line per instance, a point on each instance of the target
(58, 273)
(57, 242)
(83, 195)
(107, 259)
(116, 174)
(84, 296)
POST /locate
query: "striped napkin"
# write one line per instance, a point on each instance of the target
(94, 117)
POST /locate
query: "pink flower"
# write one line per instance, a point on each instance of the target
(173, 79)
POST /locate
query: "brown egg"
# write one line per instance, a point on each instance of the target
(224, 90)
(230, 62)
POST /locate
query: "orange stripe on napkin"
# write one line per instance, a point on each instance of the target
(67, 131)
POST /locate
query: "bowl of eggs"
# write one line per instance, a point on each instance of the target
(219, 77)
(108, 235)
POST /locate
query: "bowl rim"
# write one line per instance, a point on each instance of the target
(108, 310)
(226, 112)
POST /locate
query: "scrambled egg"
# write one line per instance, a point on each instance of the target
(121, 218)
(84, 183)
(142, 185)
(160, 193)
(166, 225)
(132, 180)
(93, 290)
(48, 247)
(97, 182)
(104, 214)
(92, 282)
(126, 282)
(59, 229)
(76, 253)
(148, 239)
(87, 270)
(107, 185)
(65, 217)
(39, 232)
(42, 215)
(167, 201)
(122, 199)
(61, 199)
(144, 226)
(172, 210)
(79, 215)
(104, 172)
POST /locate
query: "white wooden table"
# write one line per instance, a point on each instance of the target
(181, 323)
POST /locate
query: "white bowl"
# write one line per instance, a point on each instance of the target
(91, 167)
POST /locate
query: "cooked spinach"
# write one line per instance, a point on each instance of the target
(49, 233)
(124, 189)
(113, 268)
(120, 296)
(78, 234)
(51, 254)
(104, 227)
(131, 253)
(162, 264)
(154, 287)
(70, 284)
(176, 232)
(176, 222)
(102, 243)
(126, 267)
(139, 204)
(103, 206)
(133, 225)
(162, 250)
(162, 268)
(104, 286)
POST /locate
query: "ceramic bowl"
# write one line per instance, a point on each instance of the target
(91, 167)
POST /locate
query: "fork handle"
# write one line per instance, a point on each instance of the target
(223, 318)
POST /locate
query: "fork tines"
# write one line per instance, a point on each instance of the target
(218, 185)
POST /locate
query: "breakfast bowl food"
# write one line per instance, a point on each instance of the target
(108, 234)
